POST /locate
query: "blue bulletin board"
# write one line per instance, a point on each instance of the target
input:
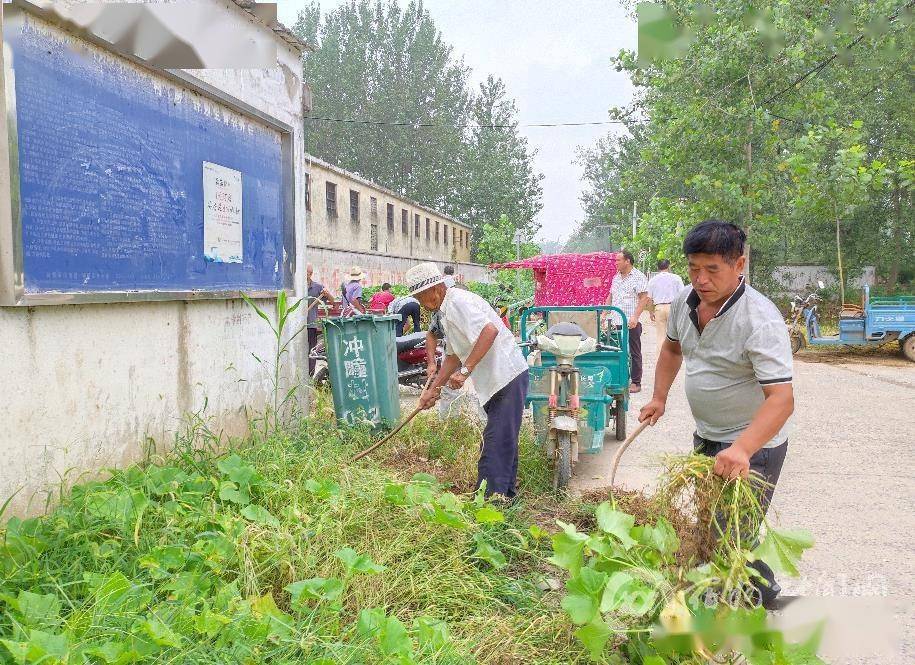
(112, 188)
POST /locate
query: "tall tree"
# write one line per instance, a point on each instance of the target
(501, 180)
(393, 103)
(711, 133)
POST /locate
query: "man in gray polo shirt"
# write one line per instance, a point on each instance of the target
(738, 366)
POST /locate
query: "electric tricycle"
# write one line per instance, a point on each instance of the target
(579, 384)
(878, 321)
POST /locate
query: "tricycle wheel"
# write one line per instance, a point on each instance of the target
(797, 341)
(562, 468)
(620, 417)
(908, 347)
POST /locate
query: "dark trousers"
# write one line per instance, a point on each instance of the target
(312, 343)
(635, 354)
(498, 464)
(410, 310)
(767, 463)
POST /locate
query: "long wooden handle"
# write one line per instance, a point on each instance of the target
(619, 453)
(390, 436)
(375, 446)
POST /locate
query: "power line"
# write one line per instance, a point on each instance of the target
(395, 123)
(822, 65)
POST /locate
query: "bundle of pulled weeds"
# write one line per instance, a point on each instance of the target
(703, 509)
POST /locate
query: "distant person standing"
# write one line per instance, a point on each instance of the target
(406, 307)
(316, 292)
(352, 293)
(629, 292)
(450, 279)
(662, 289)
(380, 301)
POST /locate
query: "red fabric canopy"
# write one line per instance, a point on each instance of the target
(569, 279)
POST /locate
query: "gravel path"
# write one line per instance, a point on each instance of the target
(848, 478)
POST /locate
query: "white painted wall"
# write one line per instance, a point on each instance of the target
(83, 386)
(802, 278)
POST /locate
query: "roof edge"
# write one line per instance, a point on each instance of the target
(278, 28)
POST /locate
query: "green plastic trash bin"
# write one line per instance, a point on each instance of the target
(362, 364)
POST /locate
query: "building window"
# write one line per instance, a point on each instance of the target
(374, 238)
(354, 205)
(331, 200)
(373, 207)
(446, 233)
(454, 235)
(416, 224)
(307, 192)
(462, 237)
(404, 223)
(437, 235)
(428, 230)
(391, 217)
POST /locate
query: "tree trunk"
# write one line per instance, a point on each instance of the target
(839, 254)
(749, 195)
(895, 257)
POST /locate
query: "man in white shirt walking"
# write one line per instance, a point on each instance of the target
(662, 289)
(629, 292)
(479, 345)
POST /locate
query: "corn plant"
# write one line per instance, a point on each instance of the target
(282, 315)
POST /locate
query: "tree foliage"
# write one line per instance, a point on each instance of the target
(394, 104)
(774, 119)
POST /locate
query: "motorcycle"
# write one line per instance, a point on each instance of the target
(411, 360)
(802, 311)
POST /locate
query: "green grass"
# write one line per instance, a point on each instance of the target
(278, 549)
(189, 558)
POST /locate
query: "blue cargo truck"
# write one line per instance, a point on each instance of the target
(880, 320)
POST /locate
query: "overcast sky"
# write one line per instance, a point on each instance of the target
(554, 56)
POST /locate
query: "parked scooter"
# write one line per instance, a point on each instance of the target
(411, 360)
(566, 342)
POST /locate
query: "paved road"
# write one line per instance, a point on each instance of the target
(849, 478)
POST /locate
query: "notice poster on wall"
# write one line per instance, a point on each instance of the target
(222, 232)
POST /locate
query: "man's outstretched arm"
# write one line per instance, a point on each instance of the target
(665, 372)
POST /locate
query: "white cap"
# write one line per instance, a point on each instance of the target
(422, 277)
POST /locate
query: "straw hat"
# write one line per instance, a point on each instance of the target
(356, 274)
(422, 277)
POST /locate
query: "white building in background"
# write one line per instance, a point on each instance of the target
(353, 221)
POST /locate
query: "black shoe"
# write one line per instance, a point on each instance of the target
(768, 595)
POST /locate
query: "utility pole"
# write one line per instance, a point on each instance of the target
(634, 218)
(748, 192)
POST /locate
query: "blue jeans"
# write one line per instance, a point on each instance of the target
(498, 464)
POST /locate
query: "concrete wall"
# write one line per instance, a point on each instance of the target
(798, 278)
(83, 386)
(435, 237)
(333, 265)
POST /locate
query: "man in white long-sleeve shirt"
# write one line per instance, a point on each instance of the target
(479, 345)
(663, 288)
